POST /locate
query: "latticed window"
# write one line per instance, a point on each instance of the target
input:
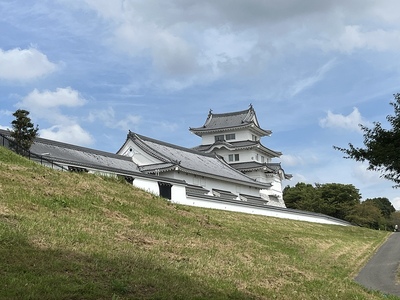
(230, 136)
(233, 157)
(219, 138)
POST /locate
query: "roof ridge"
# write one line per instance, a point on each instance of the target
(232, 113)
(69, 146)
(146, 148)
(145, 138)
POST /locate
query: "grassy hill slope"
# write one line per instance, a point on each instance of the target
(80, 236)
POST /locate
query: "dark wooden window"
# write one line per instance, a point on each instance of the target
(230, 136)
(165, 189)
(233, 157)
(219, 138)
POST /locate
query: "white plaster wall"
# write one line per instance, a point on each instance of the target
(243, 135)
(244, 155)
(275, 189)
(258, 175)
(240, 135)
(276, 184)
(281, 213)
(272, 200)
(138, 156)
(178, 193)
(147, 185)
(208, 139)
(211, 183)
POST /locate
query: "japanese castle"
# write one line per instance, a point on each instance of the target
(230, 170)
(231, 162)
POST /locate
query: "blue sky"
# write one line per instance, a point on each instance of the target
(90, 70)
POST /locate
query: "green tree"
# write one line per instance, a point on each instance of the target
(384, 205)
(301, 196)
(333, 199)
(366, 214)
(23, 131)
(381, 146)
(338, 198)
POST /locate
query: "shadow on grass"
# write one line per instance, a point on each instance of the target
(29, 272)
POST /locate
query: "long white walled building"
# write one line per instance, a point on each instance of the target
(205, 172)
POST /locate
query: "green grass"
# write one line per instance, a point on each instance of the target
(80, 236)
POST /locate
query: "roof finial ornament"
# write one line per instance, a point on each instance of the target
(251, 106)
(210, 112)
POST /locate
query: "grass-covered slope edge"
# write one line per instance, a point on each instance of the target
(79, 236)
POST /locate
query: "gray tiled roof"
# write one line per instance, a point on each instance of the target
(76, 155)
(191, 161)
(253, 165)
(229, 145)
(81, 157)
(253, 199)
(237, 146)
(239, 119)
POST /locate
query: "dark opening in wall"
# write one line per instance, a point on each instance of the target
(129, 179)
(165, 189)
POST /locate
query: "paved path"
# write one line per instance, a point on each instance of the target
(381, 270)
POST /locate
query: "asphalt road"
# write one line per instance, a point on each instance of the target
(381, 270)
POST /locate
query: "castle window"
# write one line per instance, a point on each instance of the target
(254, 137)
(262, 159)
(219, 138)
(230, 136)
(233, 157)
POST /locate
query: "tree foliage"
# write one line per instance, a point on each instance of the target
(339, 198)
(23, 130)
(384, 205)
(301, 196)
(381, 146)
(333, 199)
(366, 214)
(342, 201)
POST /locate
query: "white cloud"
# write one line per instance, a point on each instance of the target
(4, 127)
(47, 106)
(107, 117)
(354, 37)
(190, 43)
(308, 82)
(48, 99)
(349, 122)
(73, 134)
(24, 64)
